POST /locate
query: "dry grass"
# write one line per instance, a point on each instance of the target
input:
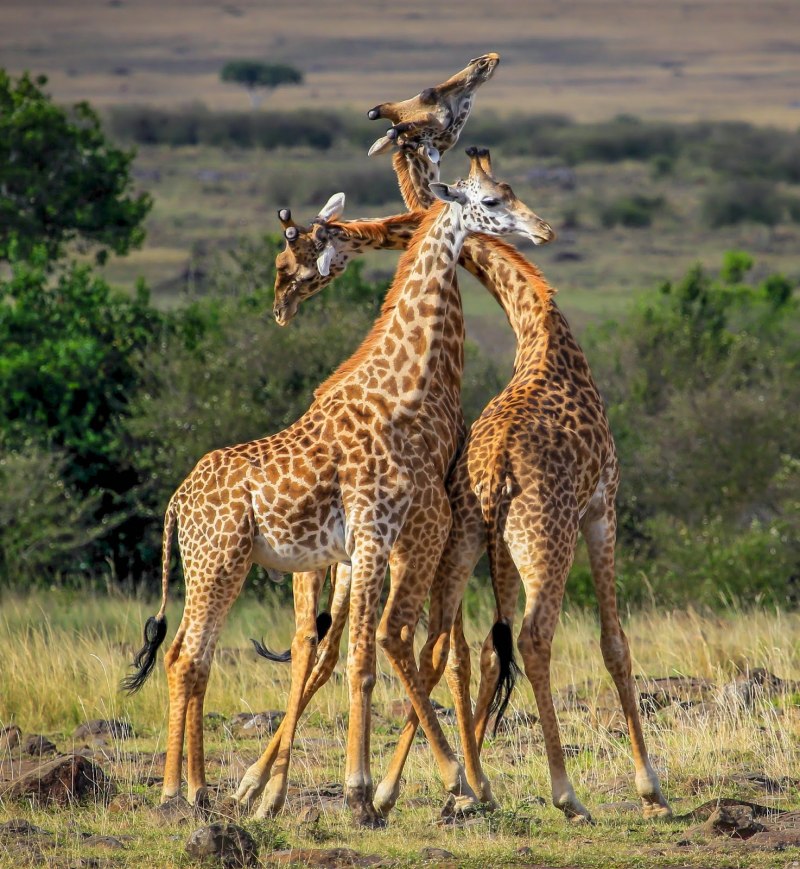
(63, 656)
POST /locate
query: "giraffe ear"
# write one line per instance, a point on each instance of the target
(381, 146)
(447, 193)
(324, 260)
(332, 209)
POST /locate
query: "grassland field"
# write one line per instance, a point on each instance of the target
(64, 653)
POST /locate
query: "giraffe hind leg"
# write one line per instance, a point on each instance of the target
(599, 531)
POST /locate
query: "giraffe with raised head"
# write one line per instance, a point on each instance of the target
(309, 262)
(342, 484)
(539, 465)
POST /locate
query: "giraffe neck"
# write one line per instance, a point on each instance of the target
(414, 175)
(521, 291)
(394, 367)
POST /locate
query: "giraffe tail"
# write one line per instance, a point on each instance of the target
(493, 497)
(323, 626)
(155, 628)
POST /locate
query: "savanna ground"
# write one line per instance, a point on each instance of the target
(64, 653)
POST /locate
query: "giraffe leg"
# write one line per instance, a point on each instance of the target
(255, 779)
(599, 531)
(461, 552)
(413, 565)
(188, 664)
(459, 674)
(304, 646)
(369, 572)
(541, 532)
(506, 582)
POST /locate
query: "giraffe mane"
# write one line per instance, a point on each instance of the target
(375, 335)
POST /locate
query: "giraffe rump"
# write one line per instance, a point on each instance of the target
(155, 629)
(324, 622)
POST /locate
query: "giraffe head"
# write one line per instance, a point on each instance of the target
(313, 257)
(431, 122)
(490, 206)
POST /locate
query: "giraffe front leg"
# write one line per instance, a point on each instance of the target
(369, 570)
(255, 779)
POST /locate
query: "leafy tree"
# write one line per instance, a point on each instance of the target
(253, 75)
(702, 389)
(60, 178)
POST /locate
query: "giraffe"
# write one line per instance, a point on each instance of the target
(341, 484)
(548, 447)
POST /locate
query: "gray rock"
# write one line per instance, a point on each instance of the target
(249, 725)
(224, 844)
(102, 728)
(37, 745)
(174, 811)
(436, 854)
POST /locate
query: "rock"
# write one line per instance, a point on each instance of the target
(102, 728)
(249, 725)
(19, 828)
(752, 686)
(10, 737)
(126, 803)
(736, 822)
(173, 811)
(36, 745)
(704, 811)
(61, 781)
(775, 840)
(436, 854)
(109, 843)
(225, 844)
(324, 858)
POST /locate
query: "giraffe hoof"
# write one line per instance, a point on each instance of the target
(366, 817)
(656, 807)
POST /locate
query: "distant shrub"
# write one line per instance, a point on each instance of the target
(196, 125)
(631, 211)
(732, 202)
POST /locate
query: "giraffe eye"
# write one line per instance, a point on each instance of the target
(490, 201)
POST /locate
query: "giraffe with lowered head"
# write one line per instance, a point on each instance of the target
(336, 486)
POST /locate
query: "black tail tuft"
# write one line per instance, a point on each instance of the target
(324, 622)
(504, 646)
(155, 629)
(264, 652)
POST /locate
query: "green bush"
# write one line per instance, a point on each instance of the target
(46, 526)
(733, 202)
(631, 211)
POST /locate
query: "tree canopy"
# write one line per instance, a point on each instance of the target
(254, 74)
(60, 178)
